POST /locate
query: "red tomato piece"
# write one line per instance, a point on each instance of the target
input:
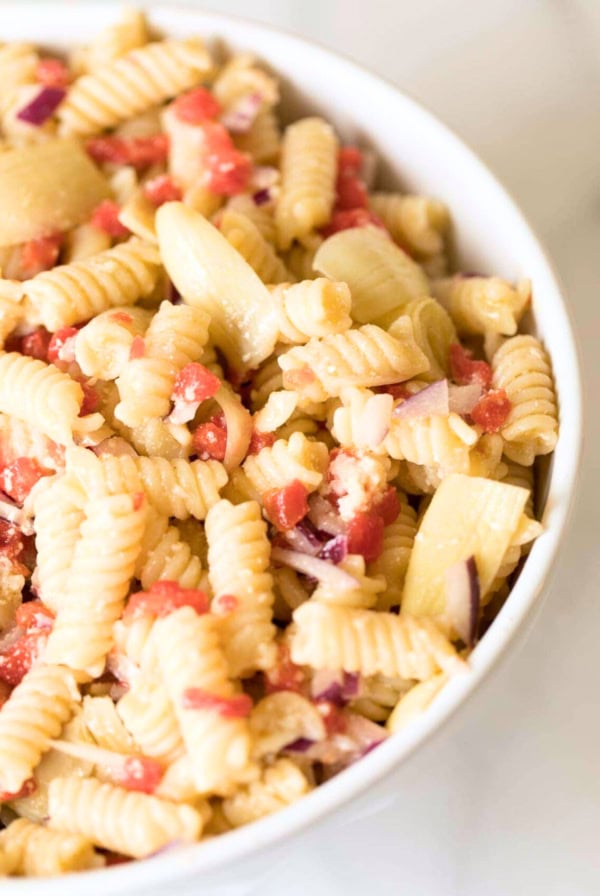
(464, 370)
(237, 707)
(227, 169)
(260, 440)
(350, 160)
(196, 106)
(18, 478)
(388, 506)
(396, 390)
(286, 506)
(17, 660)
(36, 344)
(351, 193)
(106, 217)
(27, 789)
(137, 349)
(195, 382)
(91, 399)
(365, 535)
(210, 440)
(164, 597)
(285, 674)
(492, 410)
(345, 219)
(162, 189)
(39, 255)
(138, 773)
(62, 345)
(137, 151)
(34, 616)
(11, 539)
(52, 73)
(333, 717)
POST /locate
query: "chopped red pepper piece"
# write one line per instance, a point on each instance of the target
(237, 707)
(333, 717)
(11, 540)
(36, 344)
(138, 773)
(228, 170)
(162, 189)
(52, 73)
(39, 255)
(17, 660)
(18, 478)
(164, 597)
(365, 535)
(196, 106)
(345, 219)
(27, 789)
(492, 410)
(464, 370)
(195, 382)
(106, 217)
(388, 506)
(260, 440)
(396, 390)
(34, 616)
(210, 439)
(286, 506)
(350, 160)
(62, 345)
(136, 151)
(285, 674)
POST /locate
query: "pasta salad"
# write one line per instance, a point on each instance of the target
(267, 456)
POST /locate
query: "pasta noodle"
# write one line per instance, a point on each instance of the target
(36, 851)
(418, 223)
(484, 304)
(280, 785)
(243, 234)
(312, 308)
(102, 346)
(392, 563)
(285, 461)
(434, 333)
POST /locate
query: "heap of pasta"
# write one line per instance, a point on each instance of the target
(266, 460)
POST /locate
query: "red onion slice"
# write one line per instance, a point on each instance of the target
(335, 550)
(323, 516)
(300, 745)
(432, 401)
(240, 118)
(335, 687)
(462, 399)
(321, 570)
(42, 106)
(301, 541)
(463, 596)
(262, 197)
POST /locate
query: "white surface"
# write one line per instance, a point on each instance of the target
(515, 775)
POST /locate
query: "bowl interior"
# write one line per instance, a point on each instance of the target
(417, 152)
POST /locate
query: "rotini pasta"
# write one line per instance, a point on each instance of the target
(33, 850)
(483, 304)
(102, 346)
(312, 308)
(417, 223)
(392, 563)
(280, 785)
(243, 234)
(287, 460)
(434, 333)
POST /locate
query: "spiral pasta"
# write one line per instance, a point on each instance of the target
(103, 565)
(308, 171)
(366, 356)
(483, 304)
(418, 223)
(261, 215)
(147, 712)
(190, 656)
(241, 77)
(522, 368)
(41, 395)
(102, 346)
(21, 439)
(286, 460)
(131, 84)
(55, 545)
(75, 292)
(434, 334)
(33, 850)
(132, 639)
(243, 234)
(427, 441)
(177, 487)
(263, 140)
(365, 641)
(99, 715)
(238, 561)
(165, 555)
(363, 595)
(279, 785)
(392, 563)
(301, 256)
(312, 308)
(84, 241)
(133, 824)
(34, 714)
(175, 337)
(116, 40)
(18, 62)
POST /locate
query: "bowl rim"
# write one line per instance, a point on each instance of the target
(525, 597)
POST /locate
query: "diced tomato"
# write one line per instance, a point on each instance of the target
(138, 773)
(365, 535)
(333, 717)
(388, 506)
(136, 151)
(195, 382)
(34, 616)
(106, 217)
(39, 255)
(91, 399)
(164, 597)
(210, 439)
(351, 193)
(345, 219)
(162, 189)
(237, 707)
(350, 161)
(27, 789)
(464, 370)
(285, 674)
(260, 440)
(224, 604)
(137, 349)
(286, 506)
(17, 660)
(11, 540)
(18, 478)
(62, 345)
(196, 106)
(396, 390)
(52, 73)
(228, 169)
(492, 410)
(36, 344)
(122, 317)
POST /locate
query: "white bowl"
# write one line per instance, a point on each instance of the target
(492, 236)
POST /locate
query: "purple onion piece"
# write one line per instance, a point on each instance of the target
(429, 402)
(351, 684)
(301, 745)
(463, 599)
(261, 197)
(370, 748)
(335, 550)
(42, 106)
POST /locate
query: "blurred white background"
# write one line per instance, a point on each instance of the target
(514, 780)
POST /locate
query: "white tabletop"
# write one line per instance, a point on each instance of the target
(507, 798)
